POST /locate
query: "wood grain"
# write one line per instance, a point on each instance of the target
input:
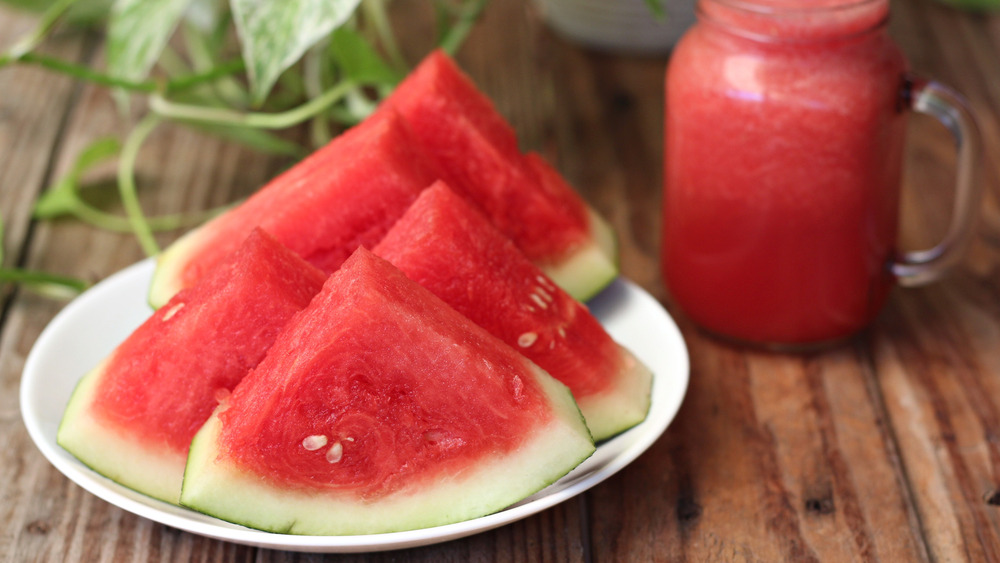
(884, 449)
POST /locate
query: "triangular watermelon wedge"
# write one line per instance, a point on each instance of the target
(382, 409)
(458, 127)
(344, 195)
(132, 417)
(452, 250)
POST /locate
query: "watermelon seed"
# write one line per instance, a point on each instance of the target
(546, 282)
(527, 339)
(544, 294)
(314, 442)
(335, 452)
(172, 311)
(562, 332)
(539, 301)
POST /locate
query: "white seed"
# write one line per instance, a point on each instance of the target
(562, 332)
(544, 294)
(335, 452)
(172, 311)
(546, 282)
(315, 442)
(539, 301)
(527, 339)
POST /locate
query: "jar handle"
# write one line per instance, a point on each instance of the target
(950, 108)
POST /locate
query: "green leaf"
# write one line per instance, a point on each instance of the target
(82, 12)
(275, 34)
(63, 197)
(205, 15)
(138, 31)
(358, 59)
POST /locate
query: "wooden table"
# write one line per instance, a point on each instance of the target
(885, 449)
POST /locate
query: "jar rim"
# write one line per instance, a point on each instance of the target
(757, 7)
(796, 22)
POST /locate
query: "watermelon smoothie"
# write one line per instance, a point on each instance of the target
(784, 137)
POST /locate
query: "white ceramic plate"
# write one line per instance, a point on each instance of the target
(91, 326)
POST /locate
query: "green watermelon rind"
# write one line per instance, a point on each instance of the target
(229, 493)
(624, 402)
(166, 276)
(591, 267)
(150, 469)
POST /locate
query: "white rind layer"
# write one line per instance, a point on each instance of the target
(152, 469)
(624, 403)
(229, 492)
(166, 277)
(591, 267)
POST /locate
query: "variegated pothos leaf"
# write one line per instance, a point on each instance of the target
(138, 30)
(274, 34)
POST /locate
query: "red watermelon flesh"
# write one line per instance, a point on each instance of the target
(452, 250)
(344, 195)
(133, 417)
(477, 150)
(380, 409)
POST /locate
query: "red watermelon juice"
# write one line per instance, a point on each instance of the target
(784, 136)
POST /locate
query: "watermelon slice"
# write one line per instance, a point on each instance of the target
(452, 250)
(344, 195)
(528, 201)
(381, 409)
(133, 416)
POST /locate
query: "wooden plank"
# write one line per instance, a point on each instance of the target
(771, 458)
(32, 111)
(936, 359)
(31, 124)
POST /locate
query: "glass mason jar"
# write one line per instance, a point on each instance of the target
(784, 137)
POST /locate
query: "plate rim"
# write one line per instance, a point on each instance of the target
(646, 433)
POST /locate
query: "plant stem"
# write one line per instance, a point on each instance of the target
(218, 116)
(319, 125)
(111, 222)
(45, 24)
(126, 184)
(375, 11)
(86, 73)
(223, 70)
(33, 277)
(466, 19)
